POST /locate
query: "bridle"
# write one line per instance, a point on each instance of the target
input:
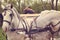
(11, 15)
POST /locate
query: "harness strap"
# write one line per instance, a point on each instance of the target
(25, 29)
(20, 19)
(34, 22)
(7, 22)
(57, 23)
(48, 27)
(17, 29)
(51, 25)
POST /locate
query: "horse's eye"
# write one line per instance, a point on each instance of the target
(11, 15)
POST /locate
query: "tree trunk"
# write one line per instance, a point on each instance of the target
(52, 4)
(19, 6)
(43, 6)
(56, 5)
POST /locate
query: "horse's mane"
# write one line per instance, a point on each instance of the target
(18, 15)
(18, 18)
(45, 12)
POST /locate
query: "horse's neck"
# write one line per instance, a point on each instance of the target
(15, 18)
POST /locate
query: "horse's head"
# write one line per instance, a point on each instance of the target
(7, 17)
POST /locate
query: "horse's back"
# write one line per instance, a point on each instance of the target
(42, 21)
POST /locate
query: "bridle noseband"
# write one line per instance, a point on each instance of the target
(7, 22)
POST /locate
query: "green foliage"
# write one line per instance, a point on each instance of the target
(2, 37)
(37, 6)
(59, 7)
(0, 8)
(48, 6)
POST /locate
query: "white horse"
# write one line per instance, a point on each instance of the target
(13, 25)
(47, 17)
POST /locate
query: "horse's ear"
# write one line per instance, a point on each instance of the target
(11, 6)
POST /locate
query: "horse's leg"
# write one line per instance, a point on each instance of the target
(6, 37)
(52, 37)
